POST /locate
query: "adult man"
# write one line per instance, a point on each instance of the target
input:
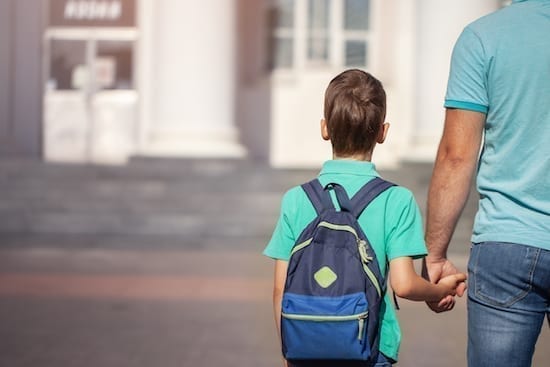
(499, 86)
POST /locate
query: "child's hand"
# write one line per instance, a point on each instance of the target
(451, 282)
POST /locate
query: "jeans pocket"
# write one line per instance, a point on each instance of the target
(500, 273)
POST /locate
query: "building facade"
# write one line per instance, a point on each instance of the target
(100, 81)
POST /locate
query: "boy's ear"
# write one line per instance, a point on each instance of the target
(382, 133)
(324, 130)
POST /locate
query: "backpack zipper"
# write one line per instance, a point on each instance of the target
(360, 317)
(365, 259)
(301, 246)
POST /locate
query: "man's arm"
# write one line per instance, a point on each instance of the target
(450, 186)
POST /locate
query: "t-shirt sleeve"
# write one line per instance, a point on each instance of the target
(405, 235)
(283, 237)
(467, 84)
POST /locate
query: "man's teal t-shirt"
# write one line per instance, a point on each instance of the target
(392, 224)
(501, 67)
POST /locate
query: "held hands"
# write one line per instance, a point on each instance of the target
(444, 273)
(451, 285)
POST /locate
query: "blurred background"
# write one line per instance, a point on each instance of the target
(144, 149)
(101, 81)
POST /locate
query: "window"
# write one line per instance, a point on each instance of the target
(317, 33)
(114, 65)
(281, 21)
(67, 68)
(356, 27)
(71, 66)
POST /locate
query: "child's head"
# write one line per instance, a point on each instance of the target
(355, 109)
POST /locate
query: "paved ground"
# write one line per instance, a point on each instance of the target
(126, 296)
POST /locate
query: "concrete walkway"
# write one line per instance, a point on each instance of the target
(78, 293)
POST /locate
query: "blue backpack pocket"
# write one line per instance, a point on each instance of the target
(321, 327)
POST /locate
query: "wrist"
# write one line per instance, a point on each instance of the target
(435, 258)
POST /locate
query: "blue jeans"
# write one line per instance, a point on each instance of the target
(508, 299)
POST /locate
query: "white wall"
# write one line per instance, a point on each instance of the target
(297, 109)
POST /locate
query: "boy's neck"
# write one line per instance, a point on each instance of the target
(362, 157)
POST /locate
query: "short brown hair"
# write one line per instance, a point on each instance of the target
(355, 109)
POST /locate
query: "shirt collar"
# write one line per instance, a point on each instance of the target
(348, 166)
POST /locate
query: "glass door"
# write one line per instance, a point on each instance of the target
(90, 99)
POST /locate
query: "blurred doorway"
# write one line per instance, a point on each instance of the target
(90, 99)
(90, 94)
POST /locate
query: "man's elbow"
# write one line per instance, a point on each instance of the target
(455, 159)
(452, 154)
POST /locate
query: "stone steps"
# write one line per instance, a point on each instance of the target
(185, 199)
(171, 202)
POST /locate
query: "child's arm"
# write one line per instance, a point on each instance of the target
(278, 288)
(406, 283)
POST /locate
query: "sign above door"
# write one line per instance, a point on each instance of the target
(92, 13)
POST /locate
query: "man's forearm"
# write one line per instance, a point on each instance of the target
(449, 190)
(452, 177)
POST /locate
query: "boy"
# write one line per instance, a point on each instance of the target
(355, 109)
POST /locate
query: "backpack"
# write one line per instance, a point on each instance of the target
(334, 287)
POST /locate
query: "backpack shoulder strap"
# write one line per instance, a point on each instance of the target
(341, 196)
(319, 197)
(368, 193)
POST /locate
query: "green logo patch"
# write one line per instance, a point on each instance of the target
(325, 277)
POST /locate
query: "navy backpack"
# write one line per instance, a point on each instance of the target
(334, 287)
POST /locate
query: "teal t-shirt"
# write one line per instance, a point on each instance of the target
(501, 67)
(392, 223)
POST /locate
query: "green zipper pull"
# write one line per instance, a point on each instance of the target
(363, 251)
(365, 259)
(362, 320)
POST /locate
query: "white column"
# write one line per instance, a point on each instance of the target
(191, 78)
(439, 23)
(395, 52)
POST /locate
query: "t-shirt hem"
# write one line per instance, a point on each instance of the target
(414, 256)
(389, 351)
(275, 256)
(451, 103)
